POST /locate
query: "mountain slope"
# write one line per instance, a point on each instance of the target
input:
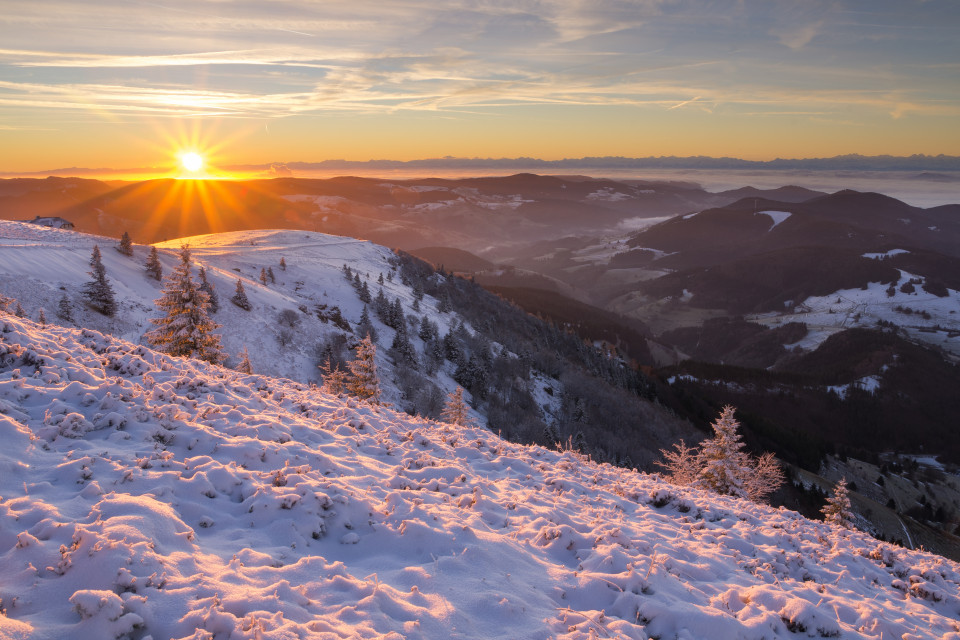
(521, 374)
(144, 495)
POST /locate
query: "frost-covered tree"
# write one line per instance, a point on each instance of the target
(455, 409)
(263, 276)
(364, 293)
(837, 510)
(366, 328)
(723, 459)
(682, 464)
(365, 384)
(283, 264)
(185, 329)
(244, 365)
(207, 287)
(721, 465)
(240, 297)
(152, 266)
(42, 317)
(126, 245)
(335, 379)
(65, 309)
(98, 292)
(270, 274)
(18, 310)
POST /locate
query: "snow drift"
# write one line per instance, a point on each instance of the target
(146, 496)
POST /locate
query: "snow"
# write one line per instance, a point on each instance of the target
(608, 194)
(39, 264)
(870, 384)
(886, 254)
(216, 504)
(846, 308)
(776, 216)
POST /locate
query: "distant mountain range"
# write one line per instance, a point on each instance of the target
(917, 162)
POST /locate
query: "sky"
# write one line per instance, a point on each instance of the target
(117, 83)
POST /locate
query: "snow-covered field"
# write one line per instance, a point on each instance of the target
(39, 265)
(146, 496)
(930, 319)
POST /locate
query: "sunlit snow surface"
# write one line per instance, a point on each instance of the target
(144, 495)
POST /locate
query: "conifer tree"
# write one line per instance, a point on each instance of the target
(335, 379)
(721, 465)
(64, 309)
(207, 287)
(263, 276)
(273, 278)
(456, 410)
(364, 293)
(722, 457)
(240, 297)
(366, 328)
(244, 365)
(98, 292)
(18, 310)
(42, 317)
(126, 245)
(837, 510)
(185, 329)
(283, 264)
(153, 266)
(365, 384)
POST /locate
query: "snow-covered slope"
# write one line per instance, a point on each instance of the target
(923, 316)
(38, 265)
(149, 496)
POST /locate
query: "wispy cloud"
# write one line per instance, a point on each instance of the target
(285, 58)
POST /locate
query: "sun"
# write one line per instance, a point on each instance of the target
(191, 161)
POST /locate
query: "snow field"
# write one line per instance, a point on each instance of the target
(848, 308)
(38, 265)
(148, 496)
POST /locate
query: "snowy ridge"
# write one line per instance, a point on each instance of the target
(38, 265)
(148, 496)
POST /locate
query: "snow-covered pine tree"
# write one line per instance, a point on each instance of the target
(401, 349)
(240, 297)
(364, 293)
(722, 457)
(126, 245)
(42, 317)
(270, 274)
(365, 384)
(366, 328)
(283, 264)
(18, 310)
(334, 378)
(207, 287)
(185, 329)
(65, 309)
(244, 365)
(263, 276)
(455, 409)
(98, 292)
(682, 464)
(837, 510)
(153, 267)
